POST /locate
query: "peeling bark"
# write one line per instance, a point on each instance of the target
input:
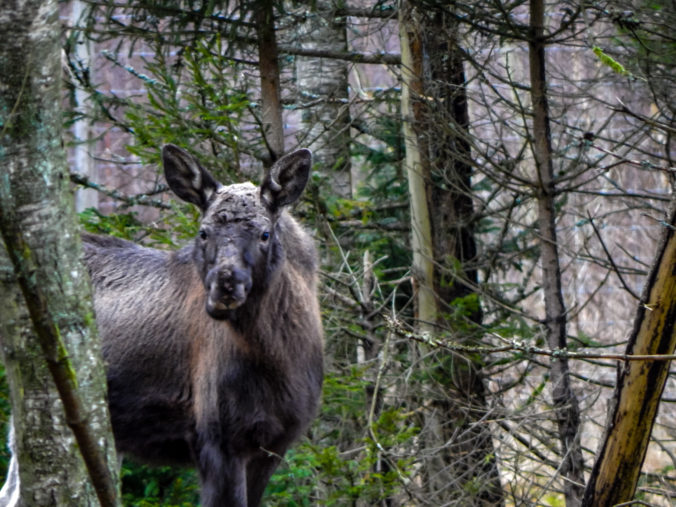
(417, 171)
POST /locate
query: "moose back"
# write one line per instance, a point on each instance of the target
(214, 351)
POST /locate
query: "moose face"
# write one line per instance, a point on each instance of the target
(236, 250)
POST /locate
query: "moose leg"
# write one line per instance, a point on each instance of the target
(258, 472)
(223, 478)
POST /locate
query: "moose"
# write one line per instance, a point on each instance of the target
(214, 351)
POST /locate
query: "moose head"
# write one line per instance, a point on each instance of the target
(237, 250)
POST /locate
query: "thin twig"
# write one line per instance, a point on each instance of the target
(140, 199)
(515, 345)
(610, 259)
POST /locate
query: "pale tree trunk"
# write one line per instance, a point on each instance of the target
(323, 94)
(268, 66)
(461, 467)
(417, 170)
(39, 231)
(640, 383)
(565, 402)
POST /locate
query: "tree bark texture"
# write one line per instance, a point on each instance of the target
(50, 471)
(268, 66)
(640, 383)
(323, 94)
(463, 468)
(39, 230)
(565, 402)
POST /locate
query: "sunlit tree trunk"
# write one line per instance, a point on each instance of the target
(417, 169)
(47, 327)
(640, 383)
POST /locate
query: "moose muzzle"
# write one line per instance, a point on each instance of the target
(227, 289)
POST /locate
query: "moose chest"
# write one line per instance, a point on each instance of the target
(258, 407)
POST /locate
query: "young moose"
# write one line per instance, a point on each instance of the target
(214, 351)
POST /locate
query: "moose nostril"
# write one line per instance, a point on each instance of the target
(224, 276)
(229, 280)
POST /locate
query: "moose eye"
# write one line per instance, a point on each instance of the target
(203, 234)
(265, 236)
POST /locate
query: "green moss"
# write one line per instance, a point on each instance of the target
(64, 358)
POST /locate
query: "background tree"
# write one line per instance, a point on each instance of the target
(439, 175)
(322, 85)
(571, 183)
(565, 401)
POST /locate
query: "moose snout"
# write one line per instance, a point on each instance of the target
(228, 288)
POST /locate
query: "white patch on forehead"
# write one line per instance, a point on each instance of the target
(238, 188)
(237, 202)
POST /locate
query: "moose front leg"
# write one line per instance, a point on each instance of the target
(223, 478)
(258, 472)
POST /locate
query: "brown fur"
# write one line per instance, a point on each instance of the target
(228, 390)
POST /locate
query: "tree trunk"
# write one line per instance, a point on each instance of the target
(565, 401)
(268, 66)
(417, 169)
(455, 251)
(640, 383)
(39, 230)
(83, 160)
(322, 88)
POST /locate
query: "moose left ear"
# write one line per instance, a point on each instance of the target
(286, 180)
(186, 177)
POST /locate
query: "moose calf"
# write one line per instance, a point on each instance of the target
(214, 351)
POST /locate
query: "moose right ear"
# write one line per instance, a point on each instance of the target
(186, 177)
(286, 180)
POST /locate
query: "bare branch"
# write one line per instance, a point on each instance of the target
(142, 199)
(610, 259)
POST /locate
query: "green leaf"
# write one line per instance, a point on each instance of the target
(610, 61)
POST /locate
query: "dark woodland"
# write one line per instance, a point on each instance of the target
(466, 296)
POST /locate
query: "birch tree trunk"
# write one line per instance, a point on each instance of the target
(640, 383)
(39, 231)
(322, 88)
(565, 401)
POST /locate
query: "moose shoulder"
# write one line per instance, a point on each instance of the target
(214, 351)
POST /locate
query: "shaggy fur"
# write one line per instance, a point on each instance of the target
(214, 351)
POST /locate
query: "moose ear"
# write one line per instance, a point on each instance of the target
(286, 180)
(186, 177)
